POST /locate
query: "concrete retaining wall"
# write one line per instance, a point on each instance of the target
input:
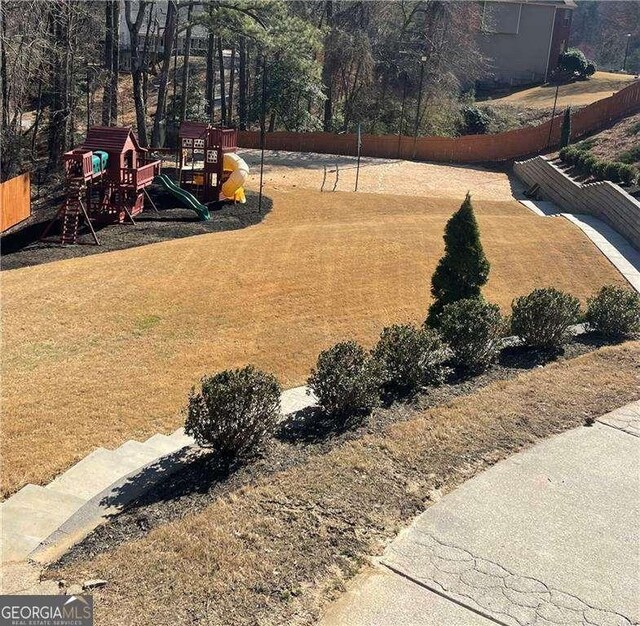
(605, 200)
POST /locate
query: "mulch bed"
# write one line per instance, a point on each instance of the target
(302, 436)
(22, 247)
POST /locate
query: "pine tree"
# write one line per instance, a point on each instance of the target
(565, 132)
(463, 269)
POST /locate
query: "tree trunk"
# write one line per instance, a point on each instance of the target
(185, 67)
(36, 123)
(209, 103)
(145, 61)
(169, 36)
(242, 86)
(223, 104)
(108, 63)
(232, 76)
(115, 65)
(3, 73)
(58, 115)
(326, 76)
(137, 67)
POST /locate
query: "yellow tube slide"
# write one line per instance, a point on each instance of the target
(233, 187)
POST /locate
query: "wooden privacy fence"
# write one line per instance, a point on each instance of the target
(15, 201)
(505, 146)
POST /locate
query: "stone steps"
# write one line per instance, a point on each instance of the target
(90, 487)
(31, 515)
(602, 199)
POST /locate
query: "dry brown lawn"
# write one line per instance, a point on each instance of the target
(274, 553)
(101, 349)
(600, 85)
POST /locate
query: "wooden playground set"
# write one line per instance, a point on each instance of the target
(108, 176)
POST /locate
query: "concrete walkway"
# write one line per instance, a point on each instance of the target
(612, 244)
(42, 522)
(623, 256)
(549, 536)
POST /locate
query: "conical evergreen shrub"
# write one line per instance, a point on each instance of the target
(463, 269)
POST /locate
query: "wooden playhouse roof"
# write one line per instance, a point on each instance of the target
(110, 138)
(193, 130)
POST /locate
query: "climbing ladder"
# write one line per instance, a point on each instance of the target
(70, 214)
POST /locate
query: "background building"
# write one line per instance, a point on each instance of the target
(523, 39)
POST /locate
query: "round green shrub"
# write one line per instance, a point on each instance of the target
(345, 380)
(586, 162)
(613, 172)
(580, 159)
(563, 153)
(573, 61)
(475, 121)
(234, 411)
(410, 358)
(600, 169)
(614, 312)
(572, 155)
(542, 318)
(473, 329)
(590, 69)
(627, 173)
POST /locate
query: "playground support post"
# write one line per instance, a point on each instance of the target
(359, 150)
(553, 114)
(263, 121)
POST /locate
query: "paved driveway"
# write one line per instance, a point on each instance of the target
(549, 536)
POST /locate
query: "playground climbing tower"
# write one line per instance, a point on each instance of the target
(105, 182)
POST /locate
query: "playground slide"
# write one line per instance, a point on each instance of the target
(233, 187)
(184, 196)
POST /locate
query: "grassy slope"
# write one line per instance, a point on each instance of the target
(621, 138)
(273, 553)
(579, 93)
(101, 349)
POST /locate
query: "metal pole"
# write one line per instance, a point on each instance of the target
(263, 121)
(626, 53)
(404, 96)
(553, 114)
(417, 124)
(359, 147)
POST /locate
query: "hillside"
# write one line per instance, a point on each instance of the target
(621, 142)
(579, 93)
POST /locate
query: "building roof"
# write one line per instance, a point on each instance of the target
(193, 130)
(565, 4)
(110, 138)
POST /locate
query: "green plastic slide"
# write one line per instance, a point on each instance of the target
(184, 196)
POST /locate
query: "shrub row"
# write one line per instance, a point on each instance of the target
(587, 163)
(235, 410)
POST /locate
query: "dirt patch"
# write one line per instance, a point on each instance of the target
(330, 172)
(22, 248)
(277, 548)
